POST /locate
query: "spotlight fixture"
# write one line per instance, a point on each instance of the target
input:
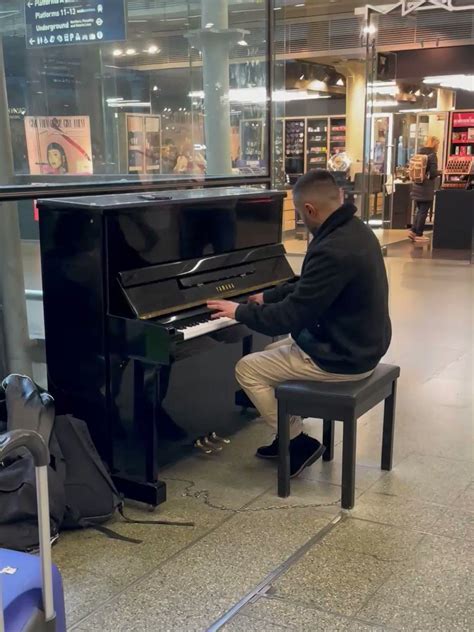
(370, 29)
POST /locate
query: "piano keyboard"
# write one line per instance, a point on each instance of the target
(205, 325)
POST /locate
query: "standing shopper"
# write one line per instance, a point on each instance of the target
(423, 193)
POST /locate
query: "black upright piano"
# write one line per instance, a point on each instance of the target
(130, 344)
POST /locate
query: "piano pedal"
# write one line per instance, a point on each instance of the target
(199, 444)
(213, 436)
(210, 444)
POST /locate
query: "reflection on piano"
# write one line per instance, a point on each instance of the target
(126, 279)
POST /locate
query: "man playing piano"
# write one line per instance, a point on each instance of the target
(336, 313)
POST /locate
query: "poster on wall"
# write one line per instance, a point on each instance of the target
(59, 145)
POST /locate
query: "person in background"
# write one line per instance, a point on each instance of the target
(336, 312)
(423, 194)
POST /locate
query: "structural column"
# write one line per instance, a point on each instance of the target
(215, 40)
(14, 337)
(355, 114)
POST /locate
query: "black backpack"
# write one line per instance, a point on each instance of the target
(80, 484)
(25, 406)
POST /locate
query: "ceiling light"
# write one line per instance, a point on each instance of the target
(454, 82)
(155, 88)
(209, 25)
(131, 51)
(431, 94)
(316, 84)
(370, 29)
(153, 49)
(418, 93)
(242, 42)
(301, 77)
(340, 82)
(117, 52)
(300, 4)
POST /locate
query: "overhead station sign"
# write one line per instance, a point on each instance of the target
(66, 22)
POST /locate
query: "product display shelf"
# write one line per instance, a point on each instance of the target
(461, 134)
(317, 143)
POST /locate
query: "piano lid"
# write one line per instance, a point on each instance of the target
(124, 201)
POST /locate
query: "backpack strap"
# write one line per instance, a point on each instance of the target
(172, 523)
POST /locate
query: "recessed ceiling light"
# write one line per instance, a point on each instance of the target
(131, 51)
(118, 52)
(340, 82)
(242, 42)
(209, 25)
(153, 49)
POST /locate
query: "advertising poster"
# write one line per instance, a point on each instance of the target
(59, 145)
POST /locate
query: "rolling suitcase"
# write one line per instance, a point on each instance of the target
(31, 592)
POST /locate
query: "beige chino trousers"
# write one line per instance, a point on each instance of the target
(259, 373)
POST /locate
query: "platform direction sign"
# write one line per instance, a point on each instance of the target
(72, 22)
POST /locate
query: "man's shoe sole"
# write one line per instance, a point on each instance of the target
(262, 456)
(310, 460)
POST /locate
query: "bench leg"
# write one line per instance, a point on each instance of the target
(284, 452)
(328, 439)
(349, 440)
(389, 428)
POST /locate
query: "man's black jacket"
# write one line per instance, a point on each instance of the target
(337, 311)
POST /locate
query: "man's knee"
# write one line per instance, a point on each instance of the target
(245, 369)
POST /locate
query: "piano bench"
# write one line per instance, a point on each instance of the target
(342, 401)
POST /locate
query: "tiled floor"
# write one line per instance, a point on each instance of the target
(401, 560)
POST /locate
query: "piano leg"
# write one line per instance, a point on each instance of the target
(147, 393)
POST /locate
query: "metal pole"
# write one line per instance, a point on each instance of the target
(14, 337)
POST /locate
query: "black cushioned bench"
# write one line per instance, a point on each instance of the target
(344, 402)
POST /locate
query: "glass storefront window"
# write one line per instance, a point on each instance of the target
(127, 90)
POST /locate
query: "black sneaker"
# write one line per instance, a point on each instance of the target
(268, 451)
(304, 451)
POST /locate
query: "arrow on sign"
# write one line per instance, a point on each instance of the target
(32, 41)
(29, 4)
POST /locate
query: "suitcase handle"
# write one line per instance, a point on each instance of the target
(35, 444)
(28, 439)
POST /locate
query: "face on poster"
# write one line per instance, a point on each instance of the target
(59, 145)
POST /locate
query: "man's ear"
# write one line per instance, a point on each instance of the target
(310, 209)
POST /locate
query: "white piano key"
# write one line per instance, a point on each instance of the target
(206, 327)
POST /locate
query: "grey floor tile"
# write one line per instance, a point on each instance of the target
(294, 616)
(203, 581)
(427, 478)
(465, 500)
(333, 579)
(242, 623)
(384, 543)
(434, 586)
(84, 592)
(304, 493)
(402, 512)
(455, 523)
(331, 472)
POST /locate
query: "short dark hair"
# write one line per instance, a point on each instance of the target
(312, 180)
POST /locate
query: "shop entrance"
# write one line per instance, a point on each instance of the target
(411, 95)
